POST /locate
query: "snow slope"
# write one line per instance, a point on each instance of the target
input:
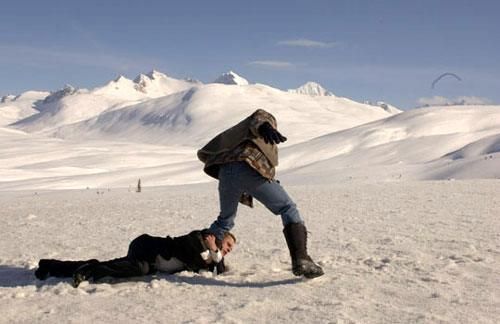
(192, 117)
(37, 162)
(14, 108)
(430, 143)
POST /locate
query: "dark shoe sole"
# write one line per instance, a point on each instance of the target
(307, 269)
(313, 274)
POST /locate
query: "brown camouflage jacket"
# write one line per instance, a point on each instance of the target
(242, 143)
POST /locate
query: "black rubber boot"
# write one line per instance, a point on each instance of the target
(116, 268)
(302, 264)
(59, 268)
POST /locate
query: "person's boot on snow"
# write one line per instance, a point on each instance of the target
(302, 264)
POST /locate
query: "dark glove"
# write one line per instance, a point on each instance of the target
(270, 135)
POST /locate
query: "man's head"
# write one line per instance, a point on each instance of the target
(228, 243)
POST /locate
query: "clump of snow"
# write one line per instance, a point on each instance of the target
(231, 78)
(311, 89)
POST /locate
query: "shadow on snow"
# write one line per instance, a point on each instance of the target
(15, 276)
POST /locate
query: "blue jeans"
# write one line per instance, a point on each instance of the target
(238, 177)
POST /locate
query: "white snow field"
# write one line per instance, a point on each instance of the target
(392, 252)
(402, 207)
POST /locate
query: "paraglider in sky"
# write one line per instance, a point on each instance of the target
(444, 75)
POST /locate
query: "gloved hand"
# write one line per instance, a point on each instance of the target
(270, 135)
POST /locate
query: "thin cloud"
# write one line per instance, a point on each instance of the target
(302, 42)
(273, 64)
(44, 57)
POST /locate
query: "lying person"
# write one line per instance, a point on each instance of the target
(198, 250)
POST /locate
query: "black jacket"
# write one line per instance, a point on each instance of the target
(186, 248)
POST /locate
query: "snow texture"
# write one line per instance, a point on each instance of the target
(400, 252)
(402, 207)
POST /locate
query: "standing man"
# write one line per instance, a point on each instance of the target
(243, 158)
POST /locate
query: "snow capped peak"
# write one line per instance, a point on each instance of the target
(312, 89)
(156, 75)
(231, 78)
(141, 82)
(120, 87)
(156, 84)
(121, 79)
(141, 78)
(67, 90)
(118, 82)
(7, 98)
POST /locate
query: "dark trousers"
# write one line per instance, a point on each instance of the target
(140, 260)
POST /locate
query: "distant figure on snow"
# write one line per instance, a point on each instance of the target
(243, 158)
(198, 250)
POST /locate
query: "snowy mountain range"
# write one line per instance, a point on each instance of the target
(155, 108)
(150, 127)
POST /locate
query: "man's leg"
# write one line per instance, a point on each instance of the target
(229, 196)
(59, 268)
(269, 193)
(116, 268)
(140, 259)
(275, 198)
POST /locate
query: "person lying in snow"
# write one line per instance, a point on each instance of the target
(198, 250)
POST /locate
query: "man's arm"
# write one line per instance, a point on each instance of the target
(213, 251)
(258, 118)
(264, 125)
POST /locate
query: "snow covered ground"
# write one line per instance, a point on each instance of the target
(402, 207)
(393, 252)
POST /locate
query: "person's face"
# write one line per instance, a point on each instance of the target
(227, 245)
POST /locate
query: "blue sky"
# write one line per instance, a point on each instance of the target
(364, 50)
